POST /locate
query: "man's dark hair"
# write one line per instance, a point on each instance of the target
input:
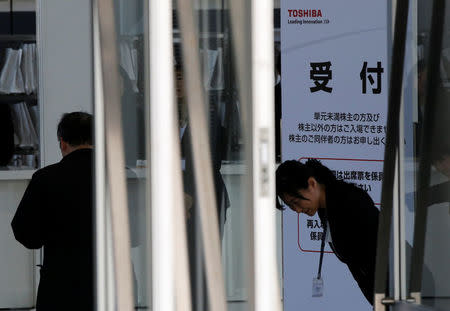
(75, 128)
(293, 175)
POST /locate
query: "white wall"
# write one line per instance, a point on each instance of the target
(66, 65)
(16, 262)
(24, 5)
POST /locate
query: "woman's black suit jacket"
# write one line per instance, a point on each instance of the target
(353, 221)
(56, 213)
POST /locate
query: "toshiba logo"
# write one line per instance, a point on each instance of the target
(305, 13)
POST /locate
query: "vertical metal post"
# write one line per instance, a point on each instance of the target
(115, 163)
(395, 229)
(39, 21)
(402, 207)
(161, 153)
(391, 151)
(267, 290)
(101, 279)
(202, 156)
(240, 25)
(420, 219)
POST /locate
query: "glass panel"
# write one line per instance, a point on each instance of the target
(130, 19)
(413, 95)
(426, 139)
(227, 135)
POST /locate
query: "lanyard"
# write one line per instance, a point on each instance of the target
(322, 247)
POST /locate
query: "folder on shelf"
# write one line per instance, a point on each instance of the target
(25, 133)
(28, 68)
(11, 79)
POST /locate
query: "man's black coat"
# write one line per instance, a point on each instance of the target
(353, 220)
(56, 212)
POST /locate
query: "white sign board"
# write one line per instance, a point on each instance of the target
(334, 92)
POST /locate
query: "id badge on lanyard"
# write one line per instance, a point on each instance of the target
(317, 286)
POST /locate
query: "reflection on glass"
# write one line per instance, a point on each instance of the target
(427, 125)
(223, 112)
(130, 44)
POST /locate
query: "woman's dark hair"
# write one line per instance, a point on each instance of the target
(75, 128)
(293, 175)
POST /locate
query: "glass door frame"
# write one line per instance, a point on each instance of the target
(169, 285)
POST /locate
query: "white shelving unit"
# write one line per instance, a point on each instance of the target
(24, 174)
(20, 41)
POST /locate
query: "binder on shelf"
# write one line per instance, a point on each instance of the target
(18, 74)
(11, 79)
(28, 68)
(25, 134)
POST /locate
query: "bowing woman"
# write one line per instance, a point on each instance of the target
(345, 210)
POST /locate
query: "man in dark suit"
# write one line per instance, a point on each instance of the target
(56, 212)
